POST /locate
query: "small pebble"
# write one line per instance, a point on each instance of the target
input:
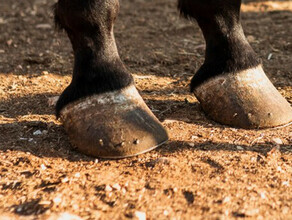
(108, 188)
(43, 167)
(37, 132)
(65, 180)
(263, 195)
(9, 42)
(140, 215)
(286, 210)
(75, 206)
(253, 159)
(2, 21)
(191, 144)
(252, 212)
(277, 141)
(57, 200)
(116, 187)
(239, 148)
(166, 213)
(101, 142)
(45, 202)
(226, 199)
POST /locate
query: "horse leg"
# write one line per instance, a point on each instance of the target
(231, 84)
(101, 110)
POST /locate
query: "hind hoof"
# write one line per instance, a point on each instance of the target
(246, 100)
(113, 125)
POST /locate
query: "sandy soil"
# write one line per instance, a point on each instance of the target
(205, 171)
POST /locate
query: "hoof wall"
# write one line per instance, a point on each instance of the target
(113, 125)
(247, 100)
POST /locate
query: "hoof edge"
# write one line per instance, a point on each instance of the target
(113, 125)
(246, 100)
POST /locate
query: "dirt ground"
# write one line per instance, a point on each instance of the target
(205, 171)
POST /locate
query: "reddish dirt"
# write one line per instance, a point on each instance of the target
(205, 171)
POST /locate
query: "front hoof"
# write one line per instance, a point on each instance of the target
(113, 125)
(246, 99)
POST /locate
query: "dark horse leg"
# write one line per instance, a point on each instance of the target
(106, 117)
(231, 84)
(101, 110)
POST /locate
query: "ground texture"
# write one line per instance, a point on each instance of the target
(205, 171)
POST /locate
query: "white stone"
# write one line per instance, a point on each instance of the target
(116, 187)
(77, 175)
(43, 167)
(140, 215)
(37, 132)
(226, 199)
(252, 212)
(277, 141)
(65, 180)
(263, 195)
(166, 213)
(57, 200)
(108, 188)
(239, 148)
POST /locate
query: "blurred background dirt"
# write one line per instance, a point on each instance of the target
(205, 171)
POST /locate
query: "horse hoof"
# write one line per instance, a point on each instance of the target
(113, 125)
(246, 99)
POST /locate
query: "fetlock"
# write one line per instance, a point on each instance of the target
(97, 65)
